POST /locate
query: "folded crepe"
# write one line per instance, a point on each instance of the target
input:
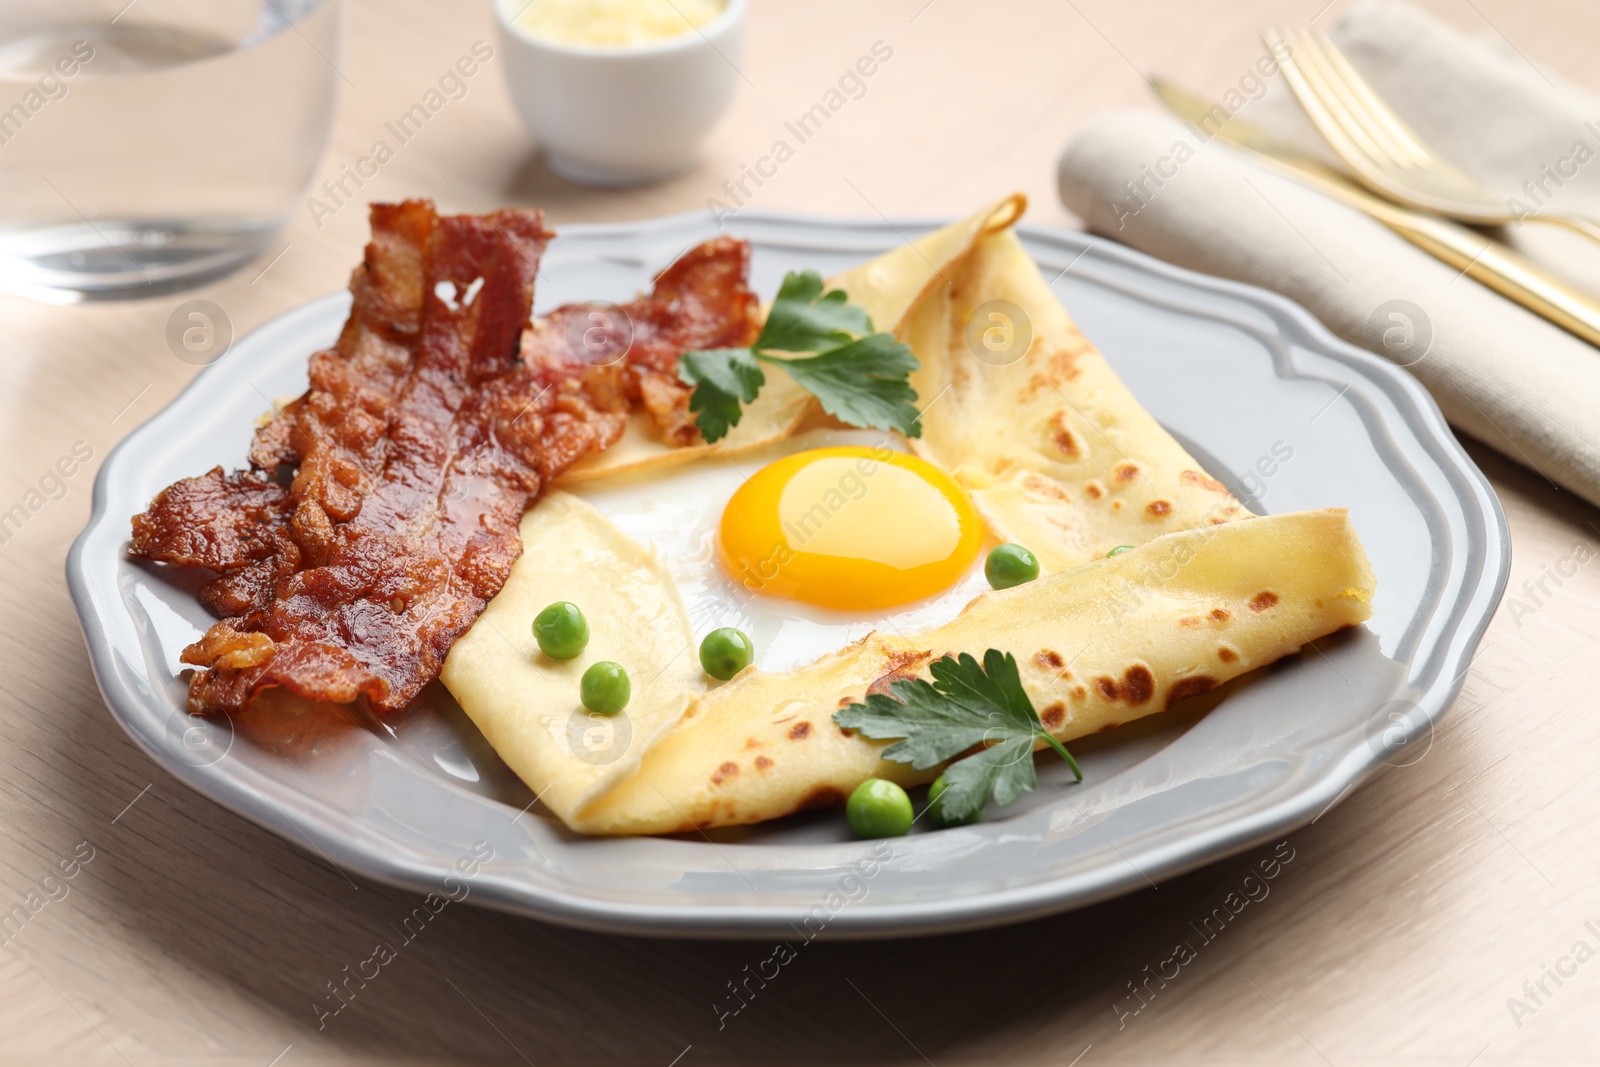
(1056, 454)
(526, 704)
(1032, 421)
(1104, 643)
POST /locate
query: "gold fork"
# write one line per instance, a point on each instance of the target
(1384, 153)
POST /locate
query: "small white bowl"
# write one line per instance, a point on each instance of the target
(622, 116)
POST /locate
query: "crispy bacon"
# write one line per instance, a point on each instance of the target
(700, 301)
(421, 441)
(341, 422)
(234, 524)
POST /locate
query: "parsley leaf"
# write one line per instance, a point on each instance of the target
(965, 705)
(722, 377)
(805, 319)
(859, 376)
(862, 383)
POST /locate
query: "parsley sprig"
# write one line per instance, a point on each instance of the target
(859, 376)
(966, 705)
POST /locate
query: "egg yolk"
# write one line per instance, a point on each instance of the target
(855, 528)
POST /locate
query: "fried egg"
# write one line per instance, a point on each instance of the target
(858, 528)
(910, 542)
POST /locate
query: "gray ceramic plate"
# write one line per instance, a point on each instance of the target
(1249, 382)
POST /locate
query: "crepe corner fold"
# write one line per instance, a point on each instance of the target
(526, 704)
(1055, 451)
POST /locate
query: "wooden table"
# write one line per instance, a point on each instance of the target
(1405, 920)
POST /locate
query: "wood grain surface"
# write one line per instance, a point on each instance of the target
(1406, 918)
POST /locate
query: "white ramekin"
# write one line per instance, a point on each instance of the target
(621, 116)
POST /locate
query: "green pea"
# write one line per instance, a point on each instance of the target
(1119, 550)
(726, 652)
(561, 630)
(878, 808)
(1010, 565)
(605, 688)
(936, 811)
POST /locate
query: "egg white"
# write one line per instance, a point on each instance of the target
(676, 513)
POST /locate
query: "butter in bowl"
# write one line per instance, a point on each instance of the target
(620, 92)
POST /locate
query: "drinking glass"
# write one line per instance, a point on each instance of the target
(149, 145)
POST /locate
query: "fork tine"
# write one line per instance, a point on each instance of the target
(1349, 104)
(1404, 145)
(1343, 104)
(1279, 45)
(1304, 70)
(1374, 142)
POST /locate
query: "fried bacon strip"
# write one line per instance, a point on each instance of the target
(234, 524)
(423, 438)
(700, 301)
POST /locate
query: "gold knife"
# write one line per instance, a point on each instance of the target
(1481, 258)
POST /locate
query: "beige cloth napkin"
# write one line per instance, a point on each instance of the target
(1500, 373)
